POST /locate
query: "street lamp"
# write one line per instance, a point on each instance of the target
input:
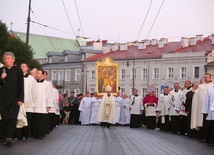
(133, 73)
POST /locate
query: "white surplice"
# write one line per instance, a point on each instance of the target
(174, 99)
(163, 106)
(209, 100)
(197, 103)
(85, 110)
(118, 101)
(95, 103)
(136, 105)
(125, 111)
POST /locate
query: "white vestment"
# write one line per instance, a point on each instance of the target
(107, 110)
(56, 101)
(125, 111)
(163, 106)
(180, 106)
(118, 101)
(193, 124)
(29, 83)
(85, 110)
(209, 100)
(95, 103)
(136, 105)
(174, 99)
(197, 103)
(42, 96)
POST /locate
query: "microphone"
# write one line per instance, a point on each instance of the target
(4, 71)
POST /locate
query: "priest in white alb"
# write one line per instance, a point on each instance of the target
(125, 110)
(208, 112)
(95, 103)
(85, 109)
(198, 120)
(118, 101)
(107, 110)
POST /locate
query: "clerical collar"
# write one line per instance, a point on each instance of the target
(176, 90)
(40, 81)
(26, 75)
(165, 94)
(189, 87)
(108, 95)
(135, 95)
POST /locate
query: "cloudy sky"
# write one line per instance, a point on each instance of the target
(114, 20)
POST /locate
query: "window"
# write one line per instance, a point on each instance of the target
(133, 70)
(60, 77)
(67, 91)
(54, 75)
(67, 75)
(170, 73)
(93, 75)
(123, 91)
(50, 59)
(77, 74)
(156, 73)
(77, 91)
(66, 58)
(144, 92)
(196, 72)
(123, 74)
(183, 72)
(144, 73)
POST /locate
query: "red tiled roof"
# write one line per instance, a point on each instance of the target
(151, 51)
(204, 45)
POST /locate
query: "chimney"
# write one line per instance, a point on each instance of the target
(154, 41)
(165, 40)
(147, 41)
(161, 44)
(97, 45)
(192, 41)
(212, 38)
(184, 42)
(199, 37)
(141, 45)
(123, 47)
(106, 49)
(114, 47)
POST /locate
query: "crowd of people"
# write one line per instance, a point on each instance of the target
(31, 106)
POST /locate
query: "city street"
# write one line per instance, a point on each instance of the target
(117, 140)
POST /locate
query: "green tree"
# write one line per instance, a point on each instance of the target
(4, 36)
(22, 51)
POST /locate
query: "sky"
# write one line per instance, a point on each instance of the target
(112, 20)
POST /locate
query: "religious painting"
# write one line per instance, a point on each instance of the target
(106, 74)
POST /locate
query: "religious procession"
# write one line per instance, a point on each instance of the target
(31, 107)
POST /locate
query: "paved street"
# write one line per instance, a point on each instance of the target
(94, 140)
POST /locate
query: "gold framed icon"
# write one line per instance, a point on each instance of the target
(106, 74)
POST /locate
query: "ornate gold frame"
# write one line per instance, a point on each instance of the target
(106, 74)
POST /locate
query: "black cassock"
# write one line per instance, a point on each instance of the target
(11, 91)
